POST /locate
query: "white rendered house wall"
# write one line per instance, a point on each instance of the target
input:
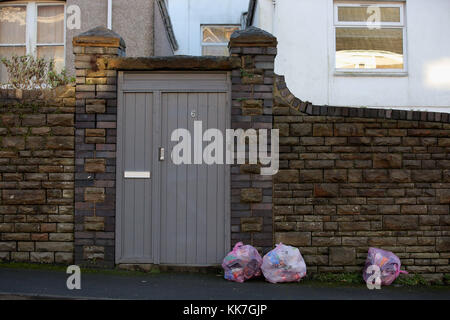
(306, 53)
(188, 15)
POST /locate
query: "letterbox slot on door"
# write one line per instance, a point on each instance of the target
(137, 175)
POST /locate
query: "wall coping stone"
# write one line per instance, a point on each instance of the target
(179, 63)
(252, 37)
(99, 37)
(37, 96)
(308, 108)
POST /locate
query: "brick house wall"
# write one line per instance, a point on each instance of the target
(36, 175)
(352, 178)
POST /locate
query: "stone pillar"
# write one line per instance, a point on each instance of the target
(95, 152)
(252, 101)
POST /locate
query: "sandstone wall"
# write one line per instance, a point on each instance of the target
(36, 175)
(353, 178)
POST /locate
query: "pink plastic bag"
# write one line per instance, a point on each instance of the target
(388, 263)
(242, 263)
(283, 264)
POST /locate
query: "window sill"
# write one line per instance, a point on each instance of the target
(370, 74)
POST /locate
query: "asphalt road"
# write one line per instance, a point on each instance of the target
(42, 284)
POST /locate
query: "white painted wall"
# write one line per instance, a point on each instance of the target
(188, 15)
(304, 29)
(264, 15)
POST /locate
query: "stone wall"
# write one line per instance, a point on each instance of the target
(349, 178)
(352, 178)
(99, 55)
(95, 152)
(36, 175)
(252, 101)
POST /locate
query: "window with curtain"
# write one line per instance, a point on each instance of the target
(215, 39)
(12, 34)
(44, 36)
(370, 37)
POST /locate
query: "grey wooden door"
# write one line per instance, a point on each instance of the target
(167, 213)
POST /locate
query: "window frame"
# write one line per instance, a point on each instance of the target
(31, 44)
(361, 24)
(214, 44)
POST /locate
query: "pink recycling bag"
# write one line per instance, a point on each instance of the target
(388, 263)
(283, 264)
(242, 263)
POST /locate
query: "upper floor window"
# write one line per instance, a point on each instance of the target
(33, 28)
(215, 39)
(369, 37)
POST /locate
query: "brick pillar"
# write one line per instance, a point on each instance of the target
(252, 101)
(95, 151)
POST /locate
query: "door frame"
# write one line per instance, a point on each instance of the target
(156, 167)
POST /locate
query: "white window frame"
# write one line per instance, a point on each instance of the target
(353, 24)
(31, 44)
(213, 44)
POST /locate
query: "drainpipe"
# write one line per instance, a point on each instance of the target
(110, 14)
(274, 12)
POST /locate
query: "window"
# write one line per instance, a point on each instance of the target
(33, 28)
(370, 37)
(215, 39)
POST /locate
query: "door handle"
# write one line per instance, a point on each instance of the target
(161, 154)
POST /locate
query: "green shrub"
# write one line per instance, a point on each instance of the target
(56, 79)
(29, 72)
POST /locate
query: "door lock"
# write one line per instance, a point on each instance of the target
(161, 154)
